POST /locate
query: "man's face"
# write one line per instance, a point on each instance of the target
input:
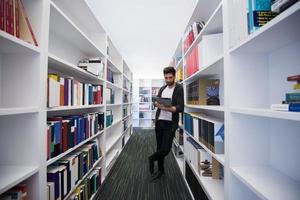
(169, 79)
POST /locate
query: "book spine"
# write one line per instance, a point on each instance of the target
(292, 96)
(2, 16)
(11, 17)
(294, 107)
(17, 19)
(7, 18)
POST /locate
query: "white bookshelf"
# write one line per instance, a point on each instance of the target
(259, 142)
(64, 38)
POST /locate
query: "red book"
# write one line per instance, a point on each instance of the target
(11, 17)
(2, 22)
(7, 19)
(293, 78)
(65, 130)
(17, 21)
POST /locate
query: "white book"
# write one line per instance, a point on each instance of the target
(196, 128)
(280, 107)
(57, 93)
(51, 86)
(75, 94)
(209, 49)
(51, 191)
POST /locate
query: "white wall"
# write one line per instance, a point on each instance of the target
(146, 32)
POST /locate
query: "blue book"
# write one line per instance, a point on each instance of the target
(53, 175)
(91, 95)
(259, 13)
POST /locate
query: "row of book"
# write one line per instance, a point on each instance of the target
(14, 20)
(179, 74)
(109, 118)
(203, 92)
(191, 34)
(125, 98)
(66, 132)
(19, 192)
(110, 75)
(110, 96)
(70, 92)
(204, 54)
(292, 99)
(125, 111)
(94, 66)
(192, 62)
(208, 130)
(202, 161)
(68, 171)
(89, 186)
(259, 13)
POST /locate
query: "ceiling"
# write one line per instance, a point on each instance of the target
(146, 32)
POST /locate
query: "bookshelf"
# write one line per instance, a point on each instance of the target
(143, 110)
(257, 139)
(63, 40)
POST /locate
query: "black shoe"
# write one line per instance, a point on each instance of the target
(151, 166)
(157, 175)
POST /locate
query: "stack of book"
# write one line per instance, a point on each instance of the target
(68, 171)
(259, 13)
(19, 192)
(89, 186)
(110, 96)
(208, 130)
(70, 92)
(109, 118)
(64, 133)
(92, 65)
(110, 75)
(14, 20)
(203, 92)
(292, 99)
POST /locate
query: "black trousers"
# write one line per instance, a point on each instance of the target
(164, 138)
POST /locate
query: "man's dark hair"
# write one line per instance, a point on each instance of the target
(169, 70)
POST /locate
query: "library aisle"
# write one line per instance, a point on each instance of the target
(131, 171)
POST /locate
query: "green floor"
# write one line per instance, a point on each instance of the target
(129, 178)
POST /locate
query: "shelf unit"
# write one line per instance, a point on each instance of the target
(144, 88)
(64, 38)
(255, 135)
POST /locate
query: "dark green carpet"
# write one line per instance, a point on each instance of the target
(129, 178)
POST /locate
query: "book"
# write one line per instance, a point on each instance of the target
(2, 15)
(259, 13)
(292, 107)
(165, 101)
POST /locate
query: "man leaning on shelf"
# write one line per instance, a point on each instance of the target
(166, 120)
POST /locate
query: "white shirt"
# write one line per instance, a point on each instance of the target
(167, 93)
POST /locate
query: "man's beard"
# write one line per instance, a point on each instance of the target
(170, 83)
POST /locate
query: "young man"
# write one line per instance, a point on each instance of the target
(166, 120)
